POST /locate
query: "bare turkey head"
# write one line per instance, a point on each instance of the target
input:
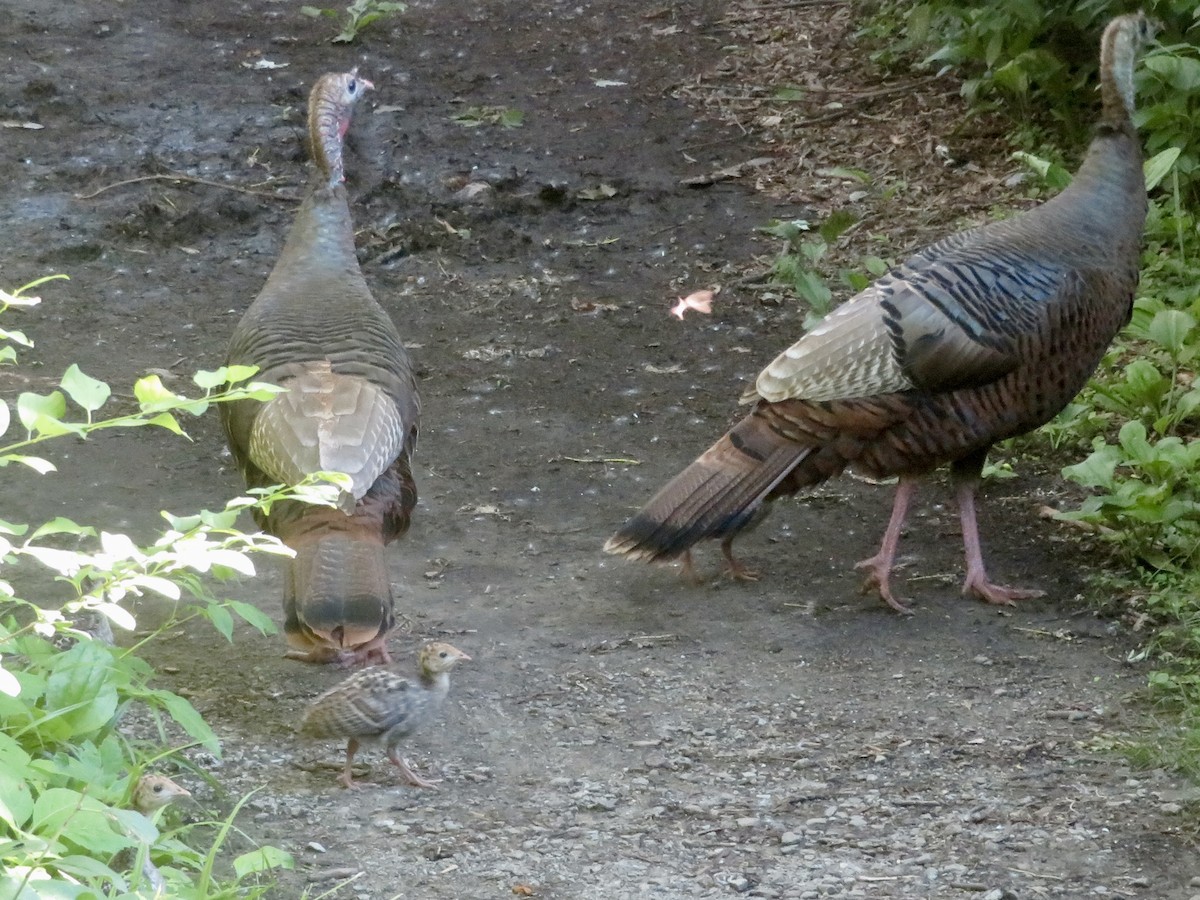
(438, 657)
(330, 105)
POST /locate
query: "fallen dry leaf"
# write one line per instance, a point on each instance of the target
(700, 301)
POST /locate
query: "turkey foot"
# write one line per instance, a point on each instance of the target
(734, 567)
(977, 585)
(374, 653)
(410, 777)
(878, 579)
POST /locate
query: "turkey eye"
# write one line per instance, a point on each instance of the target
(352, 86)
(157, 789)
(442, 654)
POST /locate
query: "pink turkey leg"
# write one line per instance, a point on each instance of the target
(879, 566)
(976, 582)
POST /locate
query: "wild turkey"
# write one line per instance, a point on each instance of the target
(376, 705)
(151, 794)
(984, 335)
(351, 407)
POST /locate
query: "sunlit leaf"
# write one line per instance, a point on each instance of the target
(152, 395)
(88, 392)
(42, 414)
(39, 465)
(167, 421)
(8, 683)
(233, 559)
(164, 586)
(65, 562)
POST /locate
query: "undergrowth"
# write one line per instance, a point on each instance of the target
(67, 765)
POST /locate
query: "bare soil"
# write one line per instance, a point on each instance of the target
(618, 734)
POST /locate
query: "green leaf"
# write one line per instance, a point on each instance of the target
(221, 620)
(80, 689)
(1157, 167)
(42, 414)
(39, 465)
(88, 392)
(1132, 437)
(837, 223)
(16, 801)
(261, 860)
(163, 586)
(1182, 73)
(811, 288)
(1170, 329)
(316, 12)
(188, 719)
(1097, 470)
(153, 396)
(5, 416)
(79, 819)
(61, 525)
(167, 421)
(253, 615)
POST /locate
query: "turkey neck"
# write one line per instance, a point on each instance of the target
(1118, 53)
(437, 684)
(328, 120)
(321, 237)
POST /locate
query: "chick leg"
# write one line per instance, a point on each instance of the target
(346, 778)
(409, 776)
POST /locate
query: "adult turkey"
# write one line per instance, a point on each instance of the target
(351, 406)
(984, 335)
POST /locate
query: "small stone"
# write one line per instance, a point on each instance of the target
(790, 837)
(315, 846)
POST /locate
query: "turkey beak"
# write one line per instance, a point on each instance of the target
(463, 656)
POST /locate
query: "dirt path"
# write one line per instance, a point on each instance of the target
(617, 735)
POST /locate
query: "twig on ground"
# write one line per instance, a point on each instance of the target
(190, 179)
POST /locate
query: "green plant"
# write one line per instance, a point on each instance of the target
(65, 765)
(798, 264)
(475, 116)
(1039, 58)
(356, 17)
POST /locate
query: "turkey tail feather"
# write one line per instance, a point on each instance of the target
(338, 593)
(715, 496)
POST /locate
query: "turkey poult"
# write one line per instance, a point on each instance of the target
(150, 795)
(376, 705)
(982, 336)
(155, 792)
(351, 406)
